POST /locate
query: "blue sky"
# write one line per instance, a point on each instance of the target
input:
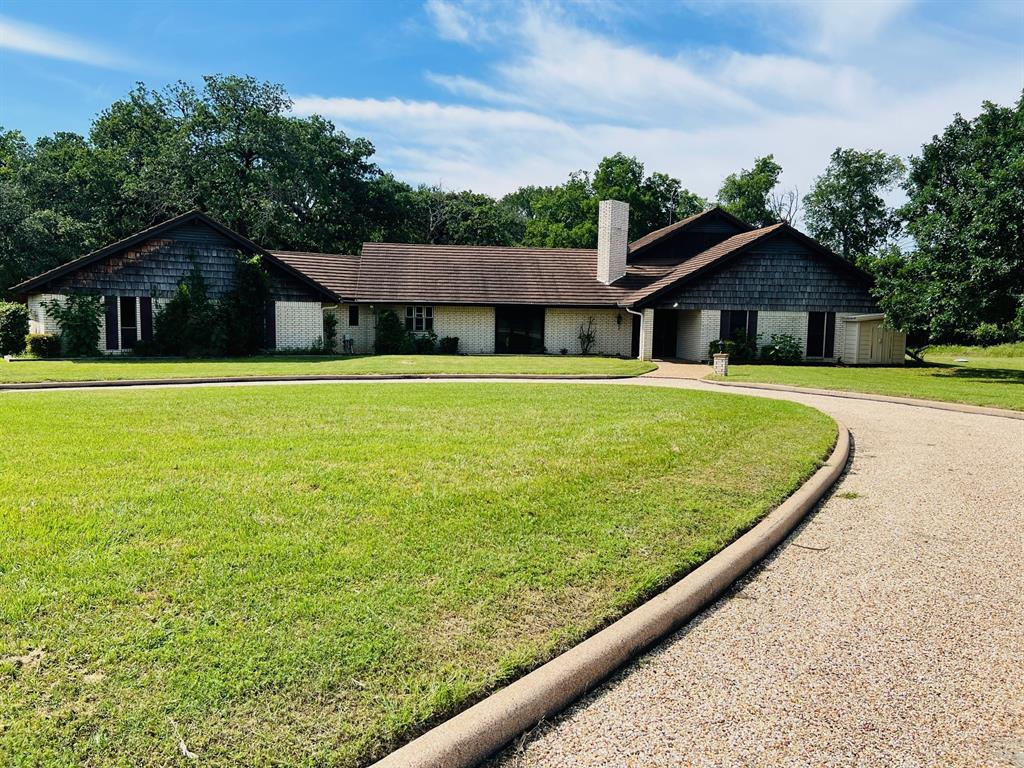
(492, 95)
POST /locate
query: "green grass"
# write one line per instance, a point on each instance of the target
(307, 575)
(304, 365)
(1014, 349)
(990, 381)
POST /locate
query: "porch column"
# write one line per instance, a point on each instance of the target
(647, 335)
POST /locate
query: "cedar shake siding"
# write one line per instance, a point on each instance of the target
(781, 274)
(686, 238)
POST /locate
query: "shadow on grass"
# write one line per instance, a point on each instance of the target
(127, 361)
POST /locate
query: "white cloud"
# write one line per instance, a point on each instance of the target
(559, 95)
(454, 22)
(29, 38)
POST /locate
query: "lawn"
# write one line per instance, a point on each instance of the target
(298, 365)
(308, 575)
(991, 381)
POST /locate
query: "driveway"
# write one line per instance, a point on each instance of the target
(887, 631)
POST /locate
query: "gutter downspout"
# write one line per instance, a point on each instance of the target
(640, 353)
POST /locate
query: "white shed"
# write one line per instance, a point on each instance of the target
(867, 340)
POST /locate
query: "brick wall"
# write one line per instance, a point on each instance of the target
(362, 335)
(562, 327)
(612, 240)
(474, 327)
(299, 324)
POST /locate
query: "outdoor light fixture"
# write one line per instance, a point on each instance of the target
(676, 305)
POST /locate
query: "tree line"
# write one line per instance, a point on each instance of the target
(948, 264)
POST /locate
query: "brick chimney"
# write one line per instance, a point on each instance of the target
(612, 240)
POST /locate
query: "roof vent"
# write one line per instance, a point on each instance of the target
(612, 240)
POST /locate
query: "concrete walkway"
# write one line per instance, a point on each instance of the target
(888, 630)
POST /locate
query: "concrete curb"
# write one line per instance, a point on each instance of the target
(479, 731)
(312, 377)
(937, 404)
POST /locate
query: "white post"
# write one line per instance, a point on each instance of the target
(721, 364)
(647, 335)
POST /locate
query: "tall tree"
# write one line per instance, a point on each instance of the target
(747, 194)
(966, 197)
(845, 208)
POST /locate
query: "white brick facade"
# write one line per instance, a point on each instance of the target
(613, 330)
(361, 334)
(612, 239)
(474, 327)
(647, 335)
(298, 324)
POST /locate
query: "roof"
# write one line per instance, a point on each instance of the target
(725, 251)
(460, 274)
(336, 271)
(147, 234)
(644, 243)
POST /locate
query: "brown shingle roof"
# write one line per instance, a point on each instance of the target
(643, 243)
(461, 274)
(338, 272)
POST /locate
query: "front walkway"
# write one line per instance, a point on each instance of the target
(676, 369)
(889, 630)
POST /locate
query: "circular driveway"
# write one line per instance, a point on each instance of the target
(888, 630)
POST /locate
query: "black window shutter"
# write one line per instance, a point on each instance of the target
(353, 315)
(723, 324)
(815, 333)
(830, 334)
(752, 324)
(270, 326)
(111, 322)
(146, 318)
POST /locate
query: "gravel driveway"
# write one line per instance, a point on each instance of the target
(887, 631)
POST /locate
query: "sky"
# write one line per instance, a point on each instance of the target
(490, 96)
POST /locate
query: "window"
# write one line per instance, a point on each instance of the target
(735, 320)
(821, 334)
(353, 315)
(419, 319)
(518, 330)
(129, 322)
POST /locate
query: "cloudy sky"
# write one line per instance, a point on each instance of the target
(493, 95)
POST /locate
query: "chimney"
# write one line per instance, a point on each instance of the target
(612, 240)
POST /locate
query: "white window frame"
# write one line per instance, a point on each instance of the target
(419, 318)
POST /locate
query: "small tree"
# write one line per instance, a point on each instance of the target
(13, 327)
(242, 311)
(330, 332)
(586, 336)
(78, 317)
(185, 324)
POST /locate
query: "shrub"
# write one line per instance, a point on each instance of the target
(742, 349)
(586, 336)
(330, 332)
(449, 345)
(185, 325)
(79, 319)
(564, 351)
(13, 327)
(987, 334)
(389, 334)
(407, 346)
(425, 343)
(43, 344)
(782, 348)
(242, 311)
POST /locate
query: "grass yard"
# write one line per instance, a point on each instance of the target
(299, 365)
(991, 381)
(309, 575)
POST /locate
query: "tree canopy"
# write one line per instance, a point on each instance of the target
(747, 194)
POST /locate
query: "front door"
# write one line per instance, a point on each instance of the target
(666, 328)
(518, 330)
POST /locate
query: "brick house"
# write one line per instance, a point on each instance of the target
(669, 293)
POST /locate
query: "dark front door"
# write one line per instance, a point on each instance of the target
(666, 327)
(518, 330)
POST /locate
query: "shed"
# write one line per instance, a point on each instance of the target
(867, 340)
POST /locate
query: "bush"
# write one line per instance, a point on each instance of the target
(185, 325)
(987, 334)
(79, 319)
(330, 332)
(43, 344)
(242, 311)
(407, 346)
(586, 336)
(742, 349)
(425, 343)
(13, 327)
(389, 335)
(449, 345)
(782, 348)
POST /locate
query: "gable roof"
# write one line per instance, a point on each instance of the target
(725, 251)
(147, 234)
(466, 274)
(651, 239)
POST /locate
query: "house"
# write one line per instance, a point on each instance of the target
(670, 293)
